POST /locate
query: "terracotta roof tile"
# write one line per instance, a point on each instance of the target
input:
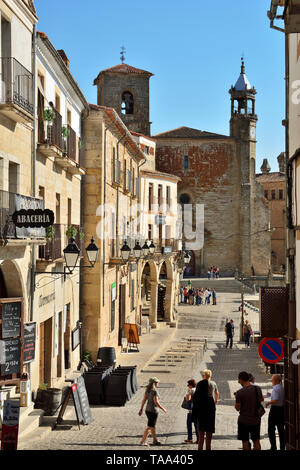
(124, 68)
(190, 133)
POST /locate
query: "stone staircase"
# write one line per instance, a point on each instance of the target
(225, 284)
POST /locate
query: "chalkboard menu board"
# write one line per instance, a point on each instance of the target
(10, 356)
(85, 410)
(29, 342)
(11, 319)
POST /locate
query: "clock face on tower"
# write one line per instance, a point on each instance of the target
(252, 131)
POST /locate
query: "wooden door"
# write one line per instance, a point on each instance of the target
(42, 352)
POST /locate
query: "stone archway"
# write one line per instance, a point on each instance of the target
(149, 291)
(12, 280)
(165, 291)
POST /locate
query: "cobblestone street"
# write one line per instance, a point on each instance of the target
(120, 428)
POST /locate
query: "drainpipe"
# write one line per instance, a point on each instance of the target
(104, 202)
(33, 257)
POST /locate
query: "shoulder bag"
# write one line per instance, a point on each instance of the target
(260, 411)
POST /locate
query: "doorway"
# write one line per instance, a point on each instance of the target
(122, 311)
(45, 351)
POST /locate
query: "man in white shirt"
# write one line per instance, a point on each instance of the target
(276, 415)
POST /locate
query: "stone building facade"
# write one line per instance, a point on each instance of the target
(218, 172)
(274, 184)
(17, 22)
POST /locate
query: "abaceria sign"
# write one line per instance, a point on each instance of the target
(33, 218)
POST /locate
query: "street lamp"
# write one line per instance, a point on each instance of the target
(152, 248)
(92, 252)
(125, 251)
(137, 250)
(145, 249)
(186, 257)
(71, 253)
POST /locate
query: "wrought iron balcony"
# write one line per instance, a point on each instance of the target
(16, 89)
(53, 250)
(11, 202)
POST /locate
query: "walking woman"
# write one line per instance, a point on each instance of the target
(205, 399)
(247, 333)
(151, 397)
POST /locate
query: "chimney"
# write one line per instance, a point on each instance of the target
(265, 168)
(64, 57)
(281, 162)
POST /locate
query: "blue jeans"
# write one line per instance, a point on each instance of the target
(247, 339)
(189, 424)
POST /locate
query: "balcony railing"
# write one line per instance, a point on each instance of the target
(71, 144)
(11, 202)
(15, 84)
(53, 250)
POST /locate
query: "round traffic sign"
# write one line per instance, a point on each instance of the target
(271, 350)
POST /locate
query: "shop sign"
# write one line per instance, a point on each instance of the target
(167, 250)
(10, 426)
(11, 319)
(160, 219)
(29, 342)
(33, 218)
(113, 292)
(10, 356)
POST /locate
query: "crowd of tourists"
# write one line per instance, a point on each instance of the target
(213, 272)
(193, 296)
(201, 400)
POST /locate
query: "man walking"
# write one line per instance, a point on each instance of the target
(229, 331)
(276, 415)
(246, 402)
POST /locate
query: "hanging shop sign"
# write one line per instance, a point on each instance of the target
(167, 250)
(33, 218)
(29, 342)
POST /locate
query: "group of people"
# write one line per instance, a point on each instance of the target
(193, 296)
(229, 332)
(213, 272)
(203, 398)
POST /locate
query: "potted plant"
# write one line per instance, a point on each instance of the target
(50, 232)
(65, 132)
(49, 115)
(71, 232)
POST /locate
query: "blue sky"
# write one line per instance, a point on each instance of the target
(193, 48)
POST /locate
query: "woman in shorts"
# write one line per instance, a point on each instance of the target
(151, 397)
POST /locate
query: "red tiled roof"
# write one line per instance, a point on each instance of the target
(124, 68)
(142, 135)
(190, 133)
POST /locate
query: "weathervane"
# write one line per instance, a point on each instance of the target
(123, 50)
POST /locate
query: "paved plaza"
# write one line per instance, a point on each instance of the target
(120, 428)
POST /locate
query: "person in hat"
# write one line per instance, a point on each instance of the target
(152, 398)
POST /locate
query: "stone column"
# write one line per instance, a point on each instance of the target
(153, 305)
(169, 300)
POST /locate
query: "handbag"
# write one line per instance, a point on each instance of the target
(259, 408)
(187, 405)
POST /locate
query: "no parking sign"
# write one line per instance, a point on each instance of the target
(271, 350)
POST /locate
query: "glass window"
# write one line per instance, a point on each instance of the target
(186, 162)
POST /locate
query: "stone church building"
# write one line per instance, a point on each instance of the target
(215, 171)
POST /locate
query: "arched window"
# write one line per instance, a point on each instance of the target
(184, 199)
(127, 103)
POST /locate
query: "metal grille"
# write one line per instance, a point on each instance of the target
(291, 397)
(274, 311)
(16, 84)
